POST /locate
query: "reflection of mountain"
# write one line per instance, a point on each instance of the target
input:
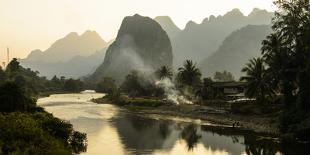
(144, 135)
(72, 56)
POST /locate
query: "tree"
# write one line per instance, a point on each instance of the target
(258, 85)
(286, 52)
(73, 85)
(224, 76)
(137, 84)
(164, 72)
(208, 91)
(189, 74)
(14, 99)
(13, 66)
(2, 76)
(106, 85)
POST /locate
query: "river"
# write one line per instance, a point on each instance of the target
(112, 130)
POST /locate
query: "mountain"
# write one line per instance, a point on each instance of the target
(168, 25)
(198, 41)
(141, 44)
(76, 67)
(236, 50)
(70, 46)
(72, 56)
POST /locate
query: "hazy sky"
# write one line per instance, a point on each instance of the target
(26, 25)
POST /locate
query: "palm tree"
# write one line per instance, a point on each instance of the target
(258, 84)
(164, 72)
(189, 74)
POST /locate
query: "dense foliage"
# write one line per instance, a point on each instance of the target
(223, 76)
(258, 83)
(138, 84)
(38, 133)
(189, 74)
(164, 72)
(287, 54)
(26, 128)
(33, 84)
(106, 85)
(13, 99)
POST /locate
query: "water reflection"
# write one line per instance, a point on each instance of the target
(189, 134)
(112, 130)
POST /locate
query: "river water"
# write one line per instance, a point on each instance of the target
(112, 130)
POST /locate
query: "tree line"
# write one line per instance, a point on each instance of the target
(283, 71)
(26, 128)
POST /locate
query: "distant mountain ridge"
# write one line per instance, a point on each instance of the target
(68, 47)
(168, 25)
(141, 44)
(236, 50)
(198, 41)
(72, 56)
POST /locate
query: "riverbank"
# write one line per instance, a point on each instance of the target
(263, 124)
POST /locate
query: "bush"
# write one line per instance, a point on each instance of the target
(106, 85)
(38, 133)
(14, 99)
(73, 85)
(139, 101)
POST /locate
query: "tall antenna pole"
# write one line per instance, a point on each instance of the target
(8, 55)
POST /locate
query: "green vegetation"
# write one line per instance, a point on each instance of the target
(189, 74)
(286, 54)
(32, 84)
(26, 128)
(38, 133)
(223, 76)
(258, 83)
(13, 99)
(139, 84)
(164, 72)
(106, 85)
(72, 85)
(142, 101)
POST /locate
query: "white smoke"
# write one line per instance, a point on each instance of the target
(127, 57)
(171, 92)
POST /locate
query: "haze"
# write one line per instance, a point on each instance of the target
(36, 24)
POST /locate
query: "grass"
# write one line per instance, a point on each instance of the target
(124, 100)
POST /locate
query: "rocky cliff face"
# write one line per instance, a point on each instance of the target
(141, 44)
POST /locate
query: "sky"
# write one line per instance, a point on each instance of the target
(26, 25)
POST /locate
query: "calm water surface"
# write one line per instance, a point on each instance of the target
(115, 131)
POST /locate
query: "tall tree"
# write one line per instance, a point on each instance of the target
(164, 72)
(258, 85)
(287, 54)
(189, 74)
(13, 66)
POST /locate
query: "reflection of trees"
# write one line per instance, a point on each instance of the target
(164, 130)
(141, 135)
(220, 139)
(189, 134)
(257, 146)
